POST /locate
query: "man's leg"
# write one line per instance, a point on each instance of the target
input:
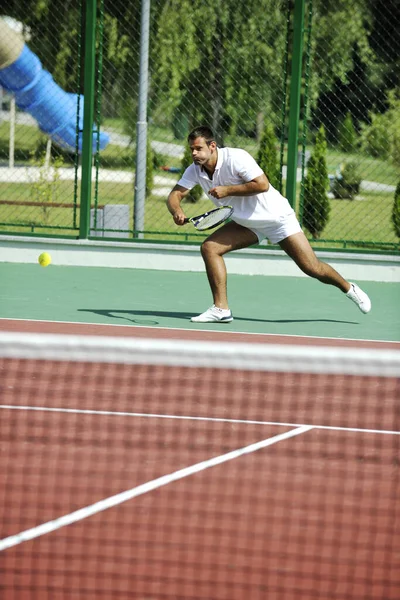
(229, 237)
(298, 248)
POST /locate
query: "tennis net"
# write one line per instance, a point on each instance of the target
(153, 469)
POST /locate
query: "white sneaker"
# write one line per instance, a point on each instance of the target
(359, 297)
(214, 315)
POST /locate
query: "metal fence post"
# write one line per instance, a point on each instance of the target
(88, 114)
(294, 107)
(141, 125)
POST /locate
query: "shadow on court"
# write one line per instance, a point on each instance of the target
(131, 315)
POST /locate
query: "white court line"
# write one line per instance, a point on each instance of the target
(216, 331)
(87, 511)
(108, 413)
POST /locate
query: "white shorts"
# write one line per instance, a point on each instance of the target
(277, 231)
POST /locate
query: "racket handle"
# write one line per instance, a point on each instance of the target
(186, 220)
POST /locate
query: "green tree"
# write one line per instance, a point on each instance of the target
(347, 134)
(316, 206)
(267, 156)
(343, 25)
(346, 69)
(396, 211)
(218, 63)
(235, 47)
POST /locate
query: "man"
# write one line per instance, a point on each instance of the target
(231, 176)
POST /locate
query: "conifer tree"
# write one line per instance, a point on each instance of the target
(347, 134)
(396, 211)
(316, 206)
(267, 156)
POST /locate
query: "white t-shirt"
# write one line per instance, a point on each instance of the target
(236, 166)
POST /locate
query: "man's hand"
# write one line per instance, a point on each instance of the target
(179, 217)
(250, 188)
(174, 204)
(220, 191)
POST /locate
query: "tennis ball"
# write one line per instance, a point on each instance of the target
(44, 259)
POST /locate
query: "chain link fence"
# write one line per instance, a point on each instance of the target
(351, 116)
(221, 63)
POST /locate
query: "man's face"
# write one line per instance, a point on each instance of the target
(202, 153)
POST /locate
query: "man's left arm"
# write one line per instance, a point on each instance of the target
(251, 188)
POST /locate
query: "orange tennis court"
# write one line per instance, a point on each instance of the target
(130, 478)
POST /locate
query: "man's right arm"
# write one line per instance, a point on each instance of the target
(174, 204)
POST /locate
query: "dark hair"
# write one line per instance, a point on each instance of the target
(202, 131)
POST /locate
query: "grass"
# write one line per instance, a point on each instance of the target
(47, 217)
(363, 220)
(366, 219)
(368, 168)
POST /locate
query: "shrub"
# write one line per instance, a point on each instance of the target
(396, 211)
(316, 207)
(347, 181)
(382, 137)
(267, 156)
(374, 137)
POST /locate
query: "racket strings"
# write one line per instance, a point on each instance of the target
(213, 218)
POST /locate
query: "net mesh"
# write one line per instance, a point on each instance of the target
(152, 469)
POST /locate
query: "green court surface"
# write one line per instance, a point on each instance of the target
(297, 306)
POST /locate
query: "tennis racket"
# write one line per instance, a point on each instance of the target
(211, 219)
